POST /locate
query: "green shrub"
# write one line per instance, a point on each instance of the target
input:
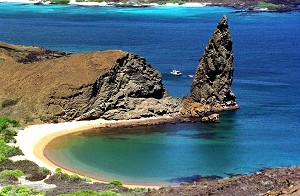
(58, 170)
(161, 2)
(268, 5)
(2, 58)
(98, 1)
(108, 193)
(227, 178)
(9, 132)
(177, 1)
(44, 170)
(116, 183)
(6, 122)
(24, 191)
(7, 190)
(15, 173)
(9, 102)
(11, 190)
(8, 151)
(60, 1)
(80, 0)
(75, 178)
(86, 179)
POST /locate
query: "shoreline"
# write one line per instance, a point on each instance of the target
(111, 4)
(34, 139)
(246, 6)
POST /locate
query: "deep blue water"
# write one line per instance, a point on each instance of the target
(264, 132)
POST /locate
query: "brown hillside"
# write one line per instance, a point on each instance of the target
(55, 85)
(34, 83)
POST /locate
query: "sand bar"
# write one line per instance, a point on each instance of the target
(33, 139)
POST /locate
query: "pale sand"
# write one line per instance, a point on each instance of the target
(33, 139)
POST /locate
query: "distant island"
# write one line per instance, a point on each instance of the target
(246, 5)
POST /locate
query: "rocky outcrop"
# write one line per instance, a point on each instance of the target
(130, 89)
(214, 74)
(211, 87)
(109, 84)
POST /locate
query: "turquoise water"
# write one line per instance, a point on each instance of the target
(264, 132)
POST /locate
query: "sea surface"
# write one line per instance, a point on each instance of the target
(264, 132)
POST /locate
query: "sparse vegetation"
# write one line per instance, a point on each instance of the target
(9, 102)
(268, 5)
(28, 119)
(115, 183)
(179, 2)
(18, 191)
(59, 175)
(60, 1)
(98, 1)
(11, 173)
(227, 178)
(161, 2)
(2, 58)
(6, 133)
(92, 193)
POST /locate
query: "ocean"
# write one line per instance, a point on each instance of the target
(263, 133)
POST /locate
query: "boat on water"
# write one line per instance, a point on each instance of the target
(176, 72)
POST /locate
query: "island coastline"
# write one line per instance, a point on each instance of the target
(247, 6)
(34, 139)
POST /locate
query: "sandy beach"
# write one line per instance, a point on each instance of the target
(33, 139)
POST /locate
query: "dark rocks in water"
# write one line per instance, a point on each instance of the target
(211, 118)
(211, 87)
(214, 75)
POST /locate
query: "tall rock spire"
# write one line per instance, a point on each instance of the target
(214, 75)
(211, 87)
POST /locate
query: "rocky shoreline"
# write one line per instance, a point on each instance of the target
(268, 182)
(255, 6)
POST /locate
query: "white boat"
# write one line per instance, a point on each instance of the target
(190, 76)
(176, 72)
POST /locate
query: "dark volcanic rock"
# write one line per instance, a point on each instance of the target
(211, 87)
(110, 84)
(214, 74)
(131, 89)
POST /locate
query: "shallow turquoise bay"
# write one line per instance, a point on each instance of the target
(264, 132)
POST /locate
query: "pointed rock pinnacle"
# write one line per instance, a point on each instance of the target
(214, 75)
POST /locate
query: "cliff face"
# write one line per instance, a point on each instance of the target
(108, 84)
(214, 75)
(211, 87)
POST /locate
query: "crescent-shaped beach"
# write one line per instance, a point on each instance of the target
(34, 139)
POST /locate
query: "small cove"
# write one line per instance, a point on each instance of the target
(167, 154)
